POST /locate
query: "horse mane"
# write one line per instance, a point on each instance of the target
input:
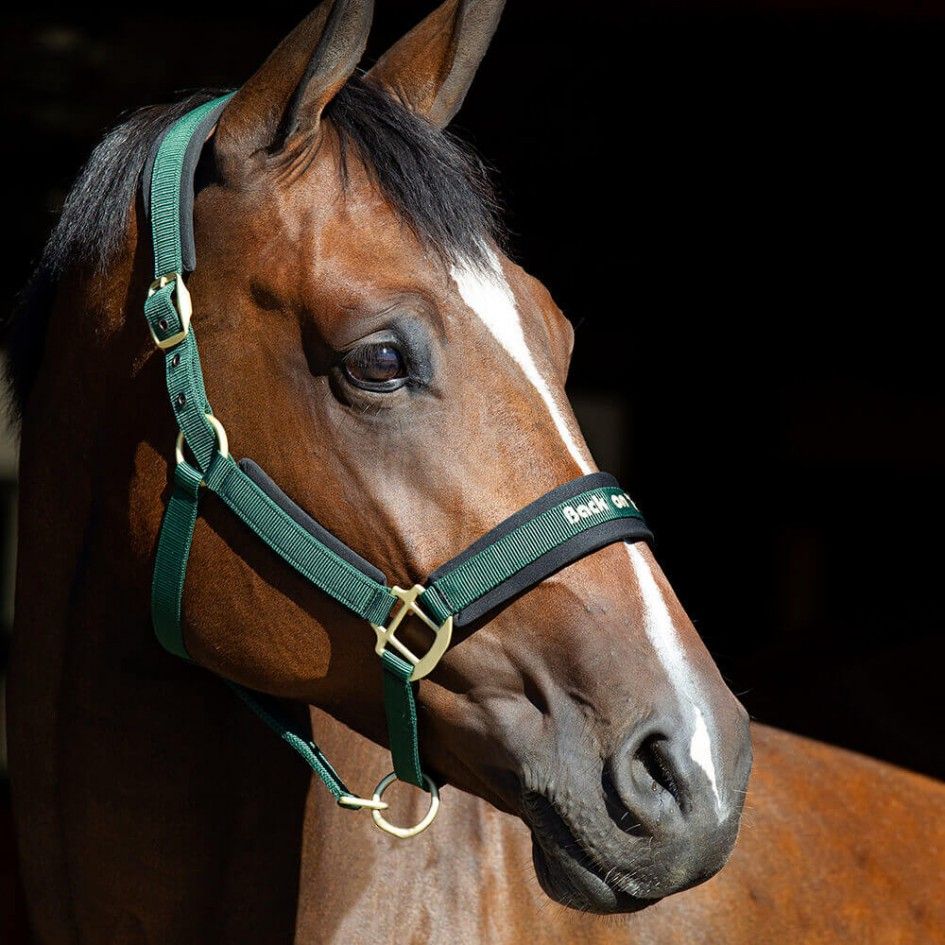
(435, 183)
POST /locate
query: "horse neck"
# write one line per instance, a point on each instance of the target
(110, 736)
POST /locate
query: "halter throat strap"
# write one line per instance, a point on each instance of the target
(564, 525)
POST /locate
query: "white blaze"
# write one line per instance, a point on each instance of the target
(659, 628)
(700, 751)
(489, 296)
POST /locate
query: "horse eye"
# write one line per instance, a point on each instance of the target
(378, 366)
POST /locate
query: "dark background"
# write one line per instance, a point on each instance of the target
(741, 207)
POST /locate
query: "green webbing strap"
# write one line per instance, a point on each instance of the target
(166, 187)
(509, 554)
(330, 573)
(173, 553)
(184, 377)
(182, 373)
(268, 710)
(401, 712)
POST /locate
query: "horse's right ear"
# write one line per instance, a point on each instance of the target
(283, 102)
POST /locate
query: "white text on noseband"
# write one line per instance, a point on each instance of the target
(596, 506)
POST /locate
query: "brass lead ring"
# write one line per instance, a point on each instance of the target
(404, 832)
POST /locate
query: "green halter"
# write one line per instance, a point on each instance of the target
(566, 524)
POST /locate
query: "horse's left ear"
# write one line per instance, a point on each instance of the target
(431, 68)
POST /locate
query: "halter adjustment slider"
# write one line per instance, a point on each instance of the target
(386, 636)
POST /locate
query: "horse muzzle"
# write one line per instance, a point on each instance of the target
(653, 823)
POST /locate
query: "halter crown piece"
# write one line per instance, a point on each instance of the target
(562, 526)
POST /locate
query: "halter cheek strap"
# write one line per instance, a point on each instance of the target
(557, 529)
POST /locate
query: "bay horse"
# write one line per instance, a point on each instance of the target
(366, 338)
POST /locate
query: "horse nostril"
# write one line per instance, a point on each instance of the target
(652, 757)
(651, 780)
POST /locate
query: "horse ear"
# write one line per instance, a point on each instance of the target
(431, 68)
(286, 97)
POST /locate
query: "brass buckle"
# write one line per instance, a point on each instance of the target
(404, 832)
(183, 305)
(386, 636)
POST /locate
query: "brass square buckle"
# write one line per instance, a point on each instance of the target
(182, 304)
(386, 636)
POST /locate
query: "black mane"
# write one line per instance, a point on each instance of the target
(435, 183)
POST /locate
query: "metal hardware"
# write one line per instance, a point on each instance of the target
(184, 306)
(422, 665)
(405, 832)
(357, 803)
(223, 444)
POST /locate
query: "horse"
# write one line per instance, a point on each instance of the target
(366, 337)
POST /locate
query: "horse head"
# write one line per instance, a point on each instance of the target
(367, 340)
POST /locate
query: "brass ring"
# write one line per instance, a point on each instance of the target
(404, 832)
(223, 444)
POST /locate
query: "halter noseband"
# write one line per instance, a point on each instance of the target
(562, 526)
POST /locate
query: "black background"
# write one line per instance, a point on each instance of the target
(741, 208)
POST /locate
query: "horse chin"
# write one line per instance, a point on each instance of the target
(576, 883)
